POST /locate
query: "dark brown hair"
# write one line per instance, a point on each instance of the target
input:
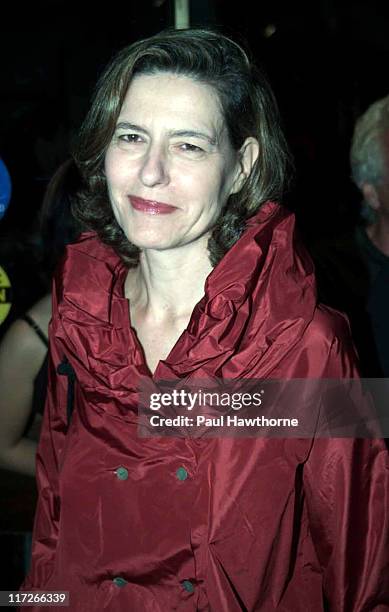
(248, 106)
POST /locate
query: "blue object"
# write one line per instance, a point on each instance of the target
(5, 188)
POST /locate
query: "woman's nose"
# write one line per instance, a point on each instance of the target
(154, 169)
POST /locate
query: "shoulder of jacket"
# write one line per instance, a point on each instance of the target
(90, 246)
(85, 264)
(88, 251)
(327, 328)
(330, 324)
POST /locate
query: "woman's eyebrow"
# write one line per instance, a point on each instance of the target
(194, 134)
(124, 125)
(212, 140)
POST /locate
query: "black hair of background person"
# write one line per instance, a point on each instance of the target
(57, 226)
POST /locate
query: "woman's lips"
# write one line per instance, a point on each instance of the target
(151, 206)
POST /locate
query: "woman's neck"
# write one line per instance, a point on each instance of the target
(167, 285)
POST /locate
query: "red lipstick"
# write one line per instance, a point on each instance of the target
(151, 206)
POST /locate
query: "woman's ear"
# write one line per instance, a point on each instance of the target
(248, 155)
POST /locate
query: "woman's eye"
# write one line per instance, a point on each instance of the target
(130, 138)
(191, 148)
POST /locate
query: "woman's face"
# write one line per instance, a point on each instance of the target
(170, 167)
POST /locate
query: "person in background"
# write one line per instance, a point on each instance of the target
(192, 271)
(23, 350)
(369, 158)
(352, 266)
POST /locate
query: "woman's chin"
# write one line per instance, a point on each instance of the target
(151, 242)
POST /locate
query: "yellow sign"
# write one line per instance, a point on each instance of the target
(5, 287)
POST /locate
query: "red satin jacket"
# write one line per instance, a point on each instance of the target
(225, 524)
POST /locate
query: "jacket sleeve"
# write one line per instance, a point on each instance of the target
(346, 483)
(48, 463)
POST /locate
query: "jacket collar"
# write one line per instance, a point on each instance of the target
(257, 303)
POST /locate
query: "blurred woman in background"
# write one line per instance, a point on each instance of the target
(23, 350)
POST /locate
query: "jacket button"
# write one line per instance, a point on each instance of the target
(181, 473)
(119, 581)
(121, 473)
(188, 586)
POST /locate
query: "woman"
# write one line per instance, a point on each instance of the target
(191, 272)
(23, 350)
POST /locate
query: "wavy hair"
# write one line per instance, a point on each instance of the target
(248, 106)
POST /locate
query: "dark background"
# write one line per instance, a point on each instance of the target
(326, 59)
